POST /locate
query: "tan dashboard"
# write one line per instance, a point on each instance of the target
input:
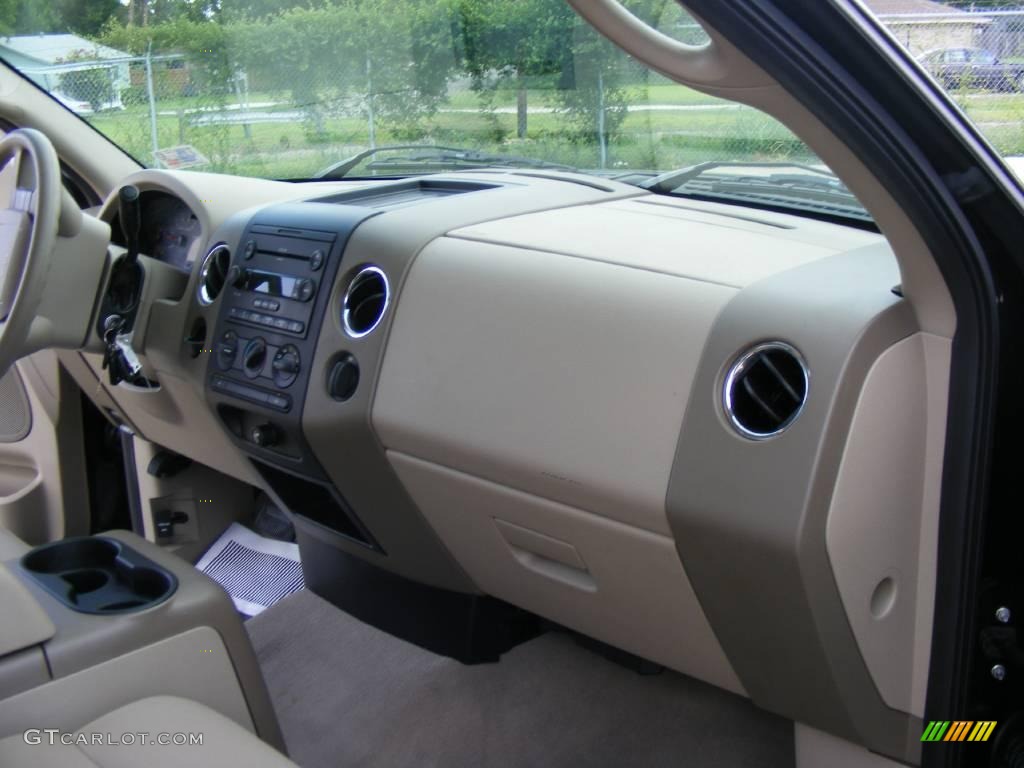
(637, 416)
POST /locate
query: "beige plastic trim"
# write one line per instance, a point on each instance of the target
(25, 623)
(22, 670)
(882, 530)
(194, 665)
(685, 238)
(617, 583)
(42, 476)
(817, 749)
(710, 64)
(581, 399)
(84, 641)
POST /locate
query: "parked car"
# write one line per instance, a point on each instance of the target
(973, 67)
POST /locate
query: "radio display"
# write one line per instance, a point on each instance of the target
(270, 283)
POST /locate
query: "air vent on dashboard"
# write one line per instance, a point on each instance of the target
(213, 273)
(365, 301)
(765, 390)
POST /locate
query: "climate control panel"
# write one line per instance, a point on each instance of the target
(274, 296)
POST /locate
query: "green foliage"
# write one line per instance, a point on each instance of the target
(95, 86)
(27, 17)
(595, 99)
(502, 40)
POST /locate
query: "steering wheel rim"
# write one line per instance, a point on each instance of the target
(29, 222)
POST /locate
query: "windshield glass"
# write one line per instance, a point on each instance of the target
(295, 89)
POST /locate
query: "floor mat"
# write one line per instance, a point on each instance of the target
(254, 570)
(349, 695)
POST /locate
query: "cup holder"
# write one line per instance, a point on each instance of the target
(71, 555)
(99, 575)
(86, 579)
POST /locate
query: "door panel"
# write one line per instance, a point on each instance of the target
(42, 464)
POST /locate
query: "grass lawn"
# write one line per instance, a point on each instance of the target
(646, 139)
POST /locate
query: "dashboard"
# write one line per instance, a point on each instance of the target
(690, 430)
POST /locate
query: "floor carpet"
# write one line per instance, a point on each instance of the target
(348, 696)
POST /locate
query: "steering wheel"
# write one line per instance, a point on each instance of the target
(39, 302)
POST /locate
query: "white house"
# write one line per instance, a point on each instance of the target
(46, 58)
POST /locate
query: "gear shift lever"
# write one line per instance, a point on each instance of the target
(130, 215)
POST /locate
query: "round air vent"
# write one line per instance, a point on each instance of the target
(365, 301)
(213, 273)
(765, 390)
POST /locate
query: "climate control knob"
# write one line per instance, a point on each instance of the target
(286, 365)
(254, 356)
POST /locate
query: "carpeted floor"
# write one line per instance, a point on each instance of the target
(349, 695)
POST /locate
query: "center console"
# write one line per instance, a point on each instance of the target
(275, 289)
(96, 623)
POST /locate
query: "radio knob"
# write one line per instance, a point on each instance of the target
(286, 365)
(305, 289)
(254, 356)
(236, 276)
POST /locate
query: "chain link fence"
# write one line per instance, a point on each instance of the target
(252, 115)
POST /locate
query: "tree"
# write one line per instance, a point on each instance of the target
(86, 17)
(592, 94)
(514, 40)
(27, 17)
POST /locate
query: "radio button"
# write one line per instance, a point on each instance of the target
(227, 350)
(305, 289)
(296, 327)
(316, 259)
(250, 249)
(281, 402)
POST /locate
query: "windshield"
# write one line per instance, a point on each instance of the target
(297, 89)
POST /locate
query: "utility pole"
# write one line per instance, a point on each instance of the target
(370, 116)
(152, 99)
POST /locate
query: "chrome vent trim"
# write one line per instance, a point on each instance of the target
(213, 273)
(765, 390)
(365, 302)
